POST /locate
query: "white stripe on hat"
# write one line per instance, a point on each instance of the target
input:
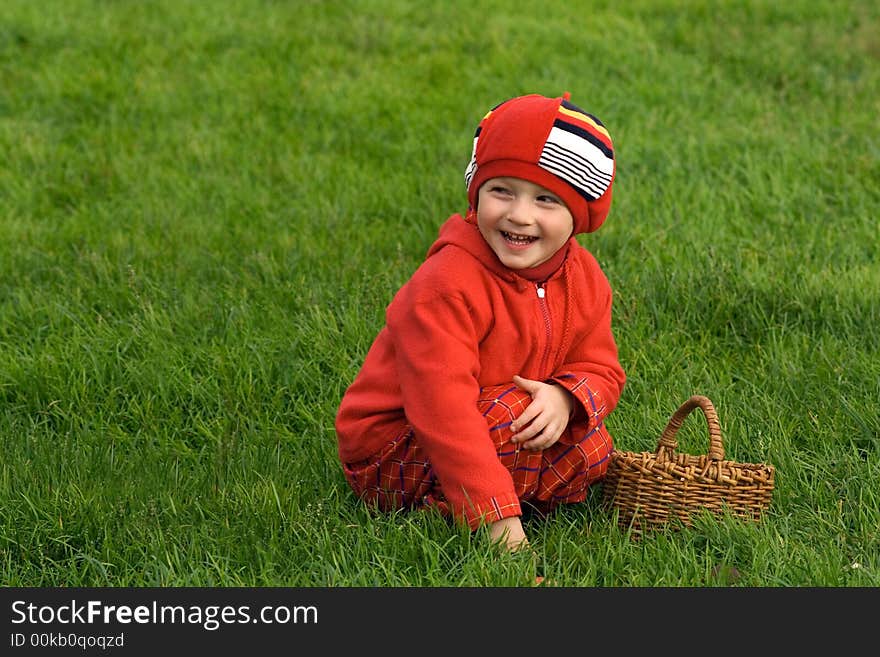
(578, 162)
(472, 165)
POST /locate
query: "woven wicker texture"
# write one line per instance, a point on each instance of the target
(651, 489)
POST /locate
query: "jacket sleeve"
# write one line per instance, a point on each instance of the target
(436, 347)
(591, 370)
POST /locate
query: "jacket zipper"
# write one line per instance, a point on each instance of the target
(548, 327)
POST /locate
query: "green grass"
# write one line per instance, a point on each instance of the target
(205, 208)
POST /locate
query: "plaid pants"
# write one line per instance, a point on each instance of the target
(400, 476)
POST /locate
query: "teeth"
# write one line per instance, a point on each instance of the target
(523, 239)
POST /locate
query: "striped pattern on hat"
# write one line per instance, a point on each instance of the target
(551, 142)
(575, 154)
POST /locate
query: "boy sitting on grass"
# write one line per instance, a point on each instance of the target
(490, 383)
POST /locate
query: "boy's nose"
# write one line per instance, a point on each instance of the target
(519, 213)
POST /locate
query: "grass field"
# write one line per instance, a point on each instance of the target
(205, 207)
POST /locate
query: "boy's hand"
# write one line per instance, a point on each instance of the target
(544, 420)
(509, 532)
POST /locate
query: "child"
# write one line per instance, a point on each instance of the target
(490, 383)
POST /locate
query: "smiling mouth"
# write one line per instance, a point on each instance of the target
(518, 240)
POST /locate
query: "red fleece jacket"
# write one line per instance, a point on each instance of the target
(464, 321)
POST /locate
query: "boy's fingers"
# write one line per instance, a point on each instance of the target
(543, 440)
(536, 445)
(535, 438)
(528, 385)
(526, 434)
(524, 420)
(527, 425)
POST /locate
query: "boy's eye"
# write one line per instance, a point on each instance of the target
(548, 199)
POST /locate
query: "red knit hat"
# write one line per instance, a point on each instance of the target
(550, 142)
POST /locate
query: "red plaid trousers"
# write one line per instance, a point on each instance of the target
(401, 476)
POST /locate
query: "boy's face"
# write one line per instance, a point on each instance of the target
(524, 223)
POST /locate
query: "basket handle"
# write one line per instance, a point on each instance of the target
(668, 444)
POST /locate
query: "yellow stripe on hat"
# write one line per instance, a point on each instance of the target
(586, 119)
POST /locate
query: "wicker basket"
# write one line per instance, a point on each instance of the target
(651, 489)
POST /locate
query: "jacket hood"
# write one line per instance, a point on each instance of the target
(459, 232)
